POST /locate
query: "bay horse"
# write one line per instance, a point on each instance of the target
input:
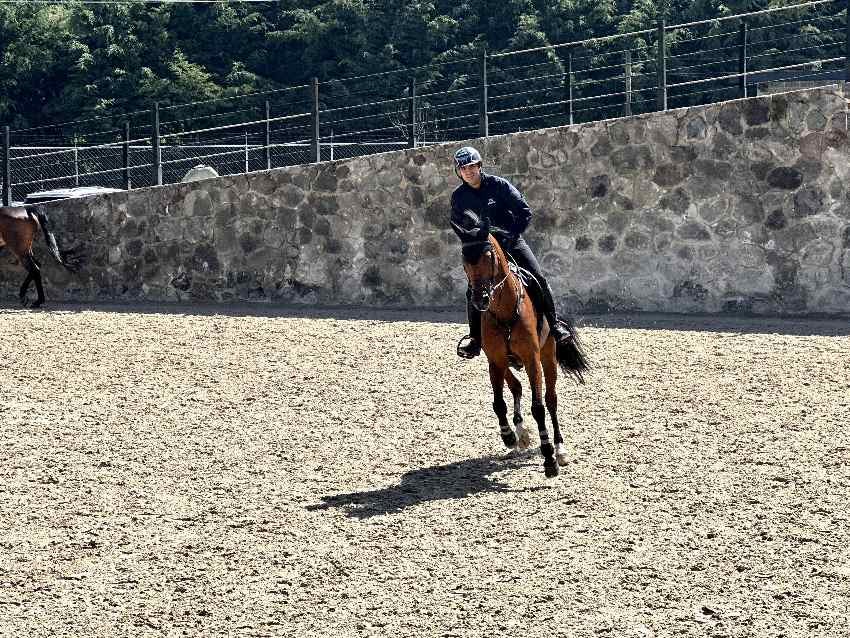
(514, 334)
(19, 226)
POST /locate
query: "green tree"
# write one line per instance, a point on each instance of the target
(37, 54)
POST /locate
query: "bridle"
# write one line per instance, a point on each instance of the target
(494, 288)
(479, 238)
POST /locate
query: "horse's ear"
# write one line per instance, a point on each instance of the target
(463, 233)
(470, 219)
(484, 230)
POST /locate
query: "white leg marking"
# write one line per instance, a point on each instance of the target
(561, 454)
(523, 439)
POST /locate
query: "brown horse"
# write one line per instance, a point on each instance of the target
(18, 227)
(515, 334)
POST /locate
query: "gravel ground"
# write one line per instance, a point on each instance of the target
(223, 471)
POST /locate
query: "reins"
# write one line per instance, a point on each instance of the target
(501, 283)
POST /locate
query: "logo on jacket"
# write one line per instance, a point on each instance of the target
(491, 202)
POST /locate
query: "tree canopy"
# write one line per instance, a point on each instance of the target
(72, 60)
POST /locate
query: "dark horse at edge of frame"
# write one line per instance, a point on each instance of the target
(19, 226)
(514, 334)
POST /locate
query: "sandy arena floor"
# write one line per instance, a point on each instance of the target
(270, 472)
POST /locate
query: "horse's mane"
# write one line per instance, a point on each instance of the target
(501, 255)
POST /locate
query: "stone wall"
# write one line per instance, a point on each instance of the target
(736, 207)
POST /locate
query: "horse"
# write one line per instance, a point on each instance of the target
(18, 227)
(514, 334)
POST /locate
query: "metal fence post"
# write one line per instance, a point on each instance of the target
(569, 83)
(742, 59)
(661, 66)
(847, 49)
(125, 157)
(315, 148)
(157, 152)
(7, 171)
(627, 108)
(76, 163)
(268, 139)
(411, 114)
(483, 120)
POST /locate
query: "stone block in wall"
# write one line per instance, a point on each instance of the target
(784, 177)
(756, 111)
(730, 119)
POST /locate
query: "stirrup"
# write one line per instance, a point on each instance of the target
(468, 350)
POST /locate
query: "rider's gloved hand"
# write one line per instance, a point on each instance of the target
(506, 240)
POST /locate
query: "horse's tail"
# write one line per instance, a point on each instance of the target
(570, 354)
(63, 257)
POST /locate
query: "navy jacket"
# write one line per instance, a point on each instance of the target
(496, 199)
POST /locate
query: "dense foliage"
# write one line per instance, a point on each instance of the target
(70, 60)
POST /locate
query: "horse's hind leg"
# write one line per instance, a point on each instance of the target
(38, 287)
(535, 378)
(24, 287)
(497, 380)
(523, 440)
(33, 274)
(550, 375)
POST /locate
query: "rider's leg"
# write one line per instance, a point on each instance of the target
(524, 257)
(473, 347)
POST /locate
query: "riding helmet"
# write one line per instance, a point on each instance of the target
(466, 156)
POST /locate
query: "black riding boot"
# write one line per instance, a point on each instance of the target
(558, 329)
(472, 348)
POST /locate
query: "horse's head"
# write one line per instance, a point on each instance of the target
(479, 263)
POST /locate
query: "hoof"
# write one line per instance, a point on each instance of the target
(551, 469)
(509, 440)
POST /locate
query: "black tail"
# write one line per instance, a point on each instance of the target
(570, 354)
(64, 257)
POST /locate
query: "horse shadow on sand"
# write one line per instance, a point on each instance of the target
(457, 480)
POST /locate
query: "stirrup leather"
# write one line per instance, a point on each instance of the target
(468, 350)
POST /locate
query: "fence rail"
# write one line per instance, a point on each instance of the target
(618, 75)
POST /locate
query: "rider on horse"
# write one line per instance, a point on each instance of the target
(483, 196)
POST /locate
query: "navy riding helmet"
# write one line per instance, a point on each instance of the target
(465, 156)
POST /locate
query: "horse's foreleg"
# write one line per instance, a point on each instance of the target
(497, 380)
(538, 411)
(550, 375)
(523, 440)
